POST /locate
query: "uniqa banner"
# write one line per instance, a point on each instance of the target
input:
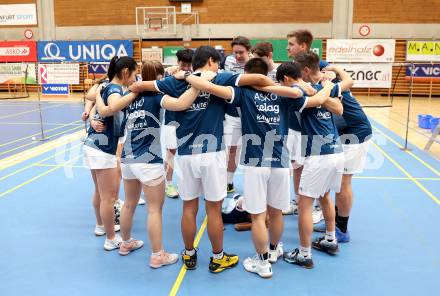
(83, 51)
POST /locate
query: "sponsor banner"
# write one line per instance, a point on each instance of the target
(423, 51)
(17, 73)
(58, 73)
(18, 51)
(152, 54)
(370, 75)
(18, 14)
(169, 54)
(97, 68)
(360, 50)
(83, 51)
(55, 89)
(424, 72)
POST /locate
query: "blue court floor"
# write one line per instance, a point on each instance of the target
(48, 246)
(20, 122)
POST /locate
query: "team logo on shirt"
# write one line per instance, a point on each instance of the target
(323, 115)
(266, 104)
(197, 106)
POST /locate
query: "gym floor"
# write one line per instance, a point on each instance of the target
(49, 247)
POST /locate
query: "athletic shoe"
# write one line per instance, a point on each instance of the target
(317, 215)
(256, 265)
(171, 191)
(218, 265)
(230, 188)
(294, 257)
(275, 254)
(129, 246)
(323, 245)
(292, 209)
(112, 244)
(190, 262)
(341, 236)
(162, 259)
(141, 201)
(100, 230)
(320, 227)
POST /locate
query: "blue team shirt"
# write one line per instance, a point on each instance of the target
(142, 129)
(353, 122)
(199, 128)
(172, 87)
(107, 141)
(264, 126)
(318, 127)
(294, 116)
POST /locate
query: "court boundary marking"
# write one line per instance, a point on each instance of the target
(428, 166)
(406, 173)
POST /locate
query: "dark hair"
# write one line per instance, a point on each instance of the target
(289, 69)
(118, 64)
(185, 55)
(262, 49)
(203, 54)
(302, 37)
(256, 66)
(151, 69)
(308, 59)
(241, 40)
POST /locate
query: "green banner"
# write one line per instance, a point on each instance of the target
(280, 48)
(169, 54)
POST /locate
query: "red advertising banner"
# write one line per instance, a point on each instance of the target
(18, 51)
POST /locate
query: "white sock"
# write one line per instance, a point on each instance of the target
(330, 235)
(296, 198)
(230, 177)
(128, 240)
(168, 182)
(306, 252)
(190, 252)
(156, 254)
(217, 256)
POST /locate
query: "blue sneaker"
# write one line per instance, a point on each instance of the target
(319, 227)
(342, 237)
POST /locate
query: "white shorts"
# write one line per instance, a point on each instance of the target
(202, 174)
(169, 136)
(294, 148)
(355, 156)
(264, 187)
(232, 131)
(96, 159)
(144, 172)
(320, 174)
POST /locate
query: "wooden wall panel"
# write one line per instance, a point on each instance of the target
(17, 1)
(396, 11)
(115, 12)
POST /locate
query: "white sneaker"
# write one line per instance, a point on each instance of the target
(141, 201)
(292, 209)
(317, 215)
(260, 267)
(112, 244)
(100, 230)
(275, 254)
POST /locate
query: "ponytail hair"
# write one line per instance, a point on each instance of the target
(118, 64)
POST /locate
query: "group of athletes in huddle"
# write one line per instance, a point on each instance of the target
(281, 117)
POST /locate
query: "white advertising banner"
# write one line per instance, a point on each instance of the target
(58, 73)
(360, 50)
(17, 73)
(18, 14)
(370, 75)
